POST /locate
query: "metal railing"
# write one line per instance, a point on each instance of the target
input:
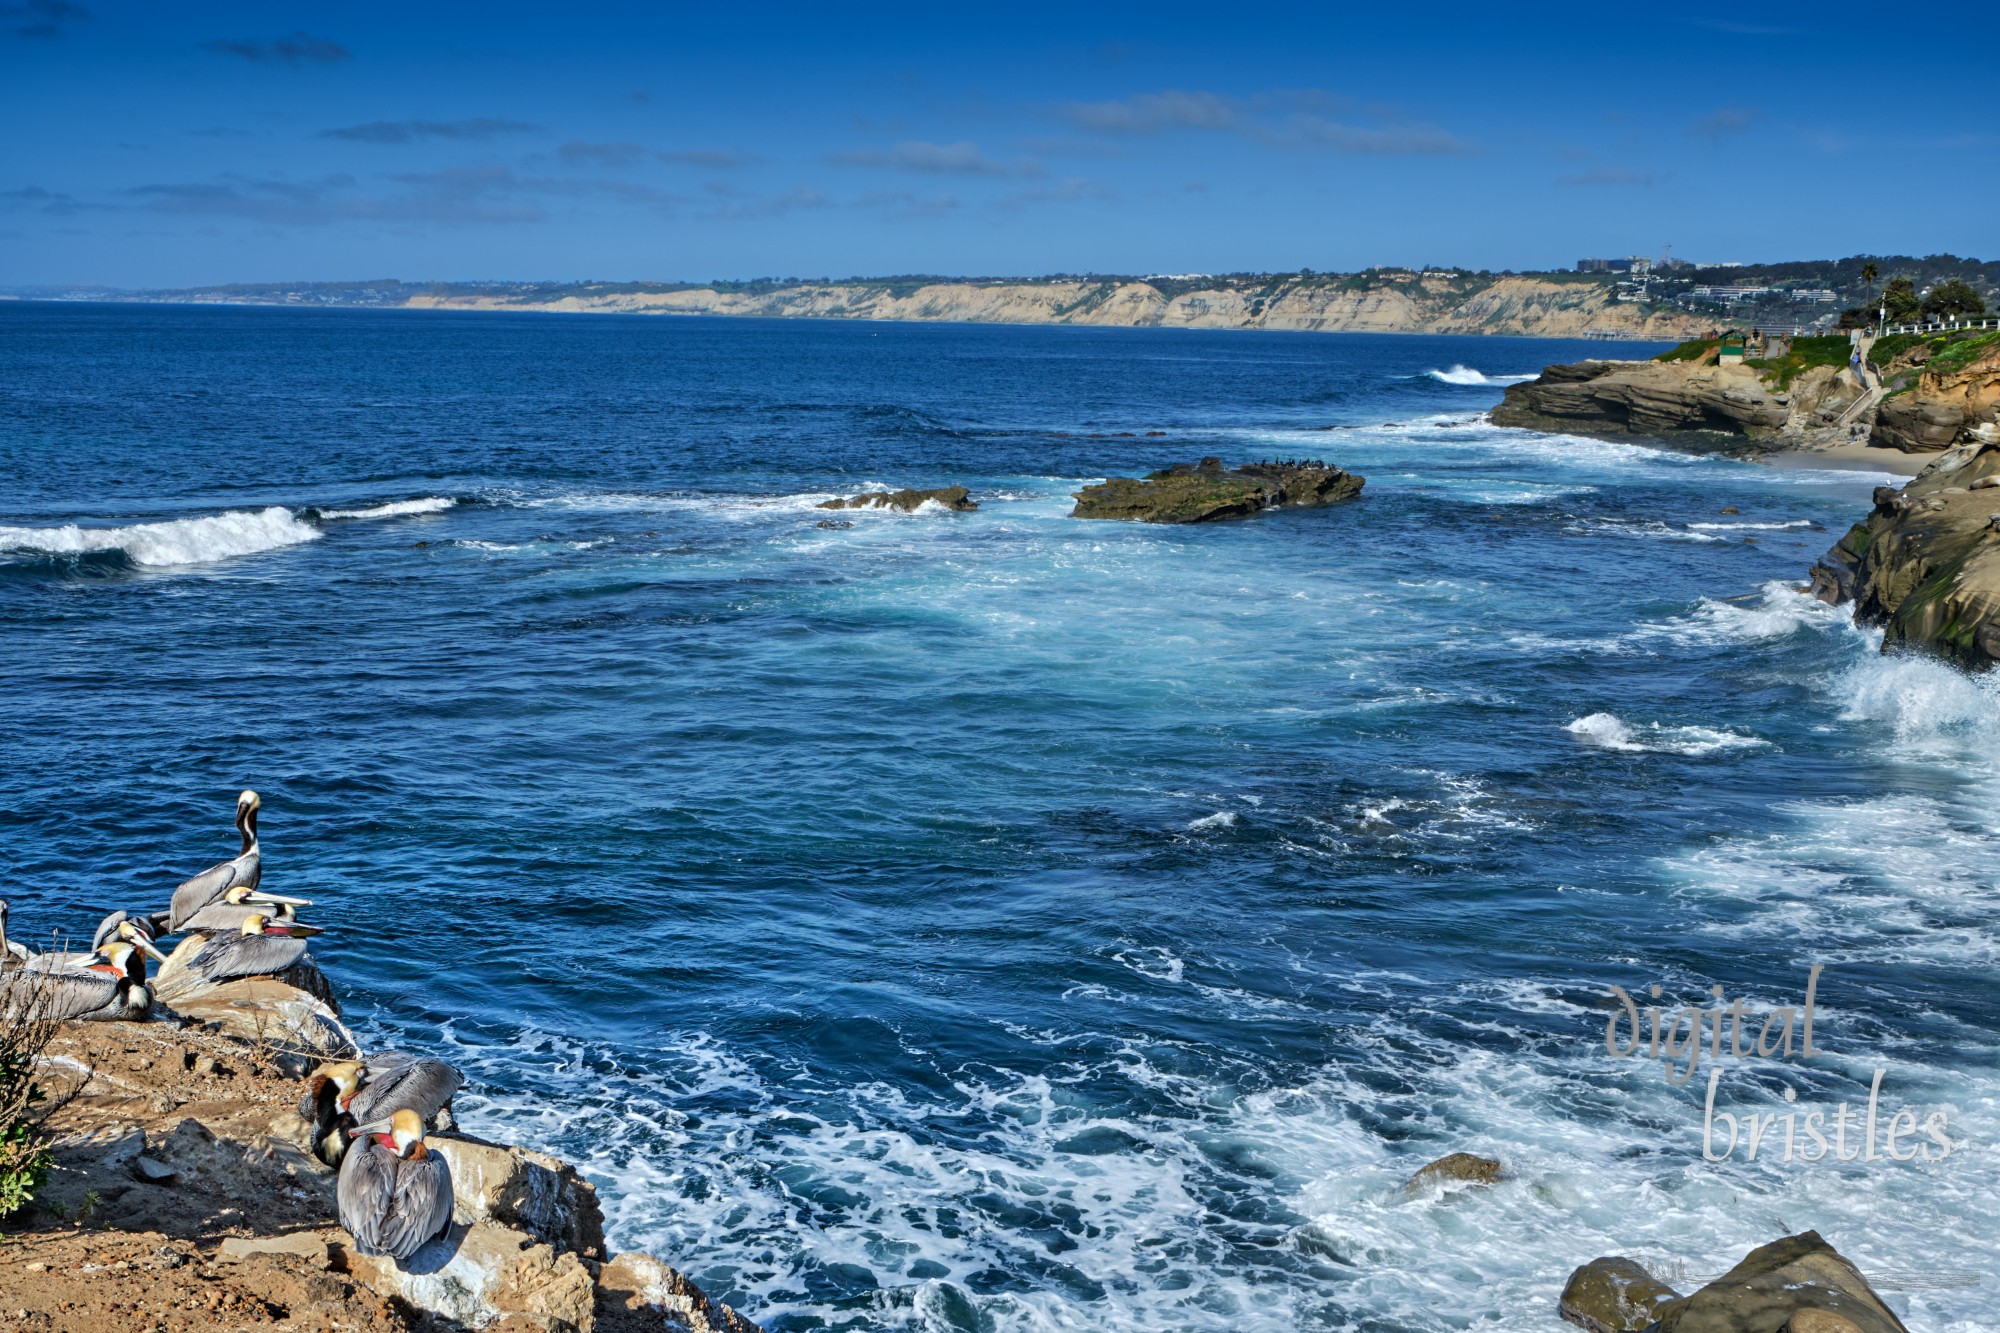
(1944, 325)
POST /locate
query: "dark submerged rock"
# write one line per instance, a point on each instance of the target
(909, 501)
(1205, 492)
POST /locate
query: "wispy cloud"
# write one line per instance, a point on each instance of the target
(603, 154)
(297, 48)
(41, 19)
(50, 202)
(1281, 120)
(950, 159)
(409, 131)
(478, 194)
(909, 204)
(1725, 121)
(625, 154)
(711, 159)
(1608, 176)
(1073, 190)
(735, 206)
(1740, 29)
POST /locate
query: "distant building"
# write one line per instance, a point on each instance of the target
(1705, 293)
(1821, 294)
(1603, 266)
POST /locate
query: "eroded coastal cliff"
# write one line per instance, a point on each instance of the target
(1924, 565)
(1550, 306)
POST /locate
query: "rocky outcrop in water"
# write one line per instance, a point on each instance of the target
(1799, 1284)
(1925, 563)
(908, 501)
(1207, 491)
(1614, 1295)
(1645, 398)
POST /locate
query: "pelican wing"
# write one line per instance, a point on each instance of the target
(221, 918)
(420, 1207)
(25, 994)
(229, 956)
(367, 1185)
(423, 1086)
(209, 886)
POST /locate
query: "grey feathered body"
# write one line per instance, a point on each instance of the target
(211, 884)
(228, 956)
(392, 1205)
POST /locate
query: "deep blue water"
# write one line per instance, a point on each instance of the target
(999, 920)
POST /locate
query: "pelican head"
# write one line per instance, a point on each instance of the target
(134, 934)
(243, 894)
(259, 924)
(117, 955)
(344, 1075)
(246, 818)
(402, 1133)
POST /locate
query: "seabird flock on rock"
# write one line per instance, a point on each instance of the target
(369, 1117)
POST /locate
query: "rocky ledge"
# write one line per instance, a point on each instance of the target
(1206, 491)
(1924, 393)
(185, 1197)
(1799, 1284)
(1925, 563)
(951, 497)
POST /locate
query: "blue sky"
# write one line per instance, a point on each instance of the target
(153, 145)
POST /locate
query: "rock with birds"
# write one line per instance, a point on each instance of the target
(341, 1095)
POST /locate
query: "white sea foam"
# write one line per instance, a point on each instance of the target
(1608, 732)
(1220, 819)
(1650, 528)
(180, 541)
(1466, 375)
(1754, 527)
(430, 504)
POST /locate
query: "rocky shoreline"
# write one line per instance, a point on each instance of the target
(1924, 565)
(185, 1196)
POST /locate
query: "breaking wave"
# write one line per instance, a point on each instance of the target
(1466, 375)
(430, 504)
(181, 541)
(1609, 732)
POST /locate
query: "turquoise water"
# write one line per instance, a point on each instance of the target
(999, 920)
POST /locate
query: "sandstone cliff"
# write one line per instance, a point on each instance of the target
(1921, 395)
(1544, 306)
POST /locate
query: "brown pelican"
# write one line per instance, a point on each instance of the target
(111, 989)
(261, 947)
(152, 924)
(212, 883)
(237, 905)
(118, 926)
(339, 1095)
(13, 953)
(395, 1193)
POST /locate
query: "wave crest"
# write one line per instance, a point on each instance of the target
(1466, 375)
(1608, 731)
(180, 541)
(429, 504)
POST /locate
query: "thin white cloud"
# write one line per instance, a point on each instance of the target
(948, 159)
(1288, 119)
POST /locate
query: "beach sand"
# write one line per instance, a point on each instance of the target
(1858, 457)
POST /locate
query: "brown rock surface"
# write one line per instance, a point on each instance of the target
(1925, 564)
(1205, 492)
(184, 1200)
(1462, 1167)
(1613, 1295)
(1800, 1284)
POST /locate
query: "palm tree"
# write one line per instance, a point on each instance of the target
(1868, 275)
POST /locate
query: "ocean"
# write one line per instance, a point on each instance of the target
(999, 921)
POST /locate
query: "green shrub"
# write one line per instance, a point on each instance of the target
(25, 1032)
(1801, 356)
(1692, 350)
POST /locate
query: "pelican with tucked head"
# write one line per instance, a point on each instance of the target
(394, 1192)
(261, 947)
(209, 886)
(239, 903)
(116, 928)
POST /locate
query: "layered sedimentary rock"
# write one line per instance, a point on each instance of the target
(1207, 491)
(1659, 398)
(1546, 307)
(1925, 563)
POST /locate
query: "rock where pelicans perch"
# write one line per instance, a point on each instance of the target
(1205, 492)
